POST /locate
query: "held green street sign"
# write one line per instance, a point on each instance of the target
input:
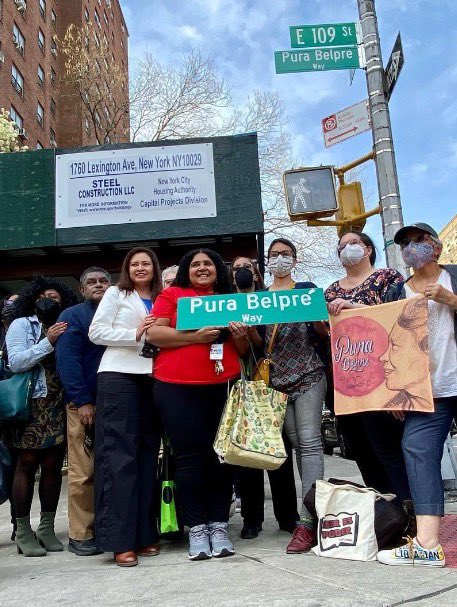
(318, 59)
(260, 308)
(326, 34)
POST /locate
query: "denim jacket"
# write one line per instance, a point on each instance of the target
(25, 350)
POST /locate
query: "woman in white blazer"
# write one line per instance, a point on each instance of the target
(127, 434)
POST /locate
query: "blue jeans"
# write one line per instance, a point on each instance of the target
(423, 442)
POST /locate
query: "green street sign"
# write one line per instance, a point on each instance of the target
(260, 308)
(315, 60)
(326, 34)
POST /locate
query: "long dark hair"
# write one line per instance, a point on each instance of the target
(25, 303)
(367, 241)
(259, 284)
(125, 283)
(222, 284)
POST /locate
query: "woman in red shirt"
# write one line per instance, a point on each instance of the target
(190, 392)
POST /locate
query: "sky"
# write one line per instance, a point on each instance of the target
(242, 35)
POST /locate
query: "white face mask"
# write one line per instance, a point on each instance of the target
(352, 254)
(281, 266)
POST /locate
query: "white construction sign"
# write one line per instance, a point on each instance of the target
(346, 123)
(135, 185)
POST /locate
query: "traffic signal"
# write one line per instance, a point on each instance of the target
(351, 206)
(310, 192)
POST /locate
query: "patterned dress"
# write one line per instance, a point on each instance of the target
(295, 366)
(46, 427)
(370, 292)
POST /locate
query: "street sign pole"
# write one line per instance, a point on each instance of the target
(386, 170)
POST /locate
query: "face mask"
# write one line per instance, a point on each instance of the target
(352, 254)
(418, 254)
(47, 311)
(244, 279)
(281, 266)
(8, 311)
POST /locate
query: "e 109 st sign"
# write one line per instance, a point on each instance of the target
(327, 34)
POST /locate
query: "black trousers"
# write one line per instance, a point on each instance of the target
(283, 492)
(191, 416)
(375, 438)
(127, 442)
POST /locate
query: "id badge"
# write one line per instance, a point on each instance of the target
(216, 352)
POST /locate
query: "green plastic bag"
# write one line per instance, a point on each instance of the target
(168, 512)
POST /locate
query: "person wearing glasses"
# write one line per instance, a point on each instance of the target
(425, 433)
(297, 370)
(246, 278)
(375, 436)
(168, 276)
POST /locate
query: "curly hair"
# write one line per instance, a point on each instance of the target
(222, 284)
(25, 303)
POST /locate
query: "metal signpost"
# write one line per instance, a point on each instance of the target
(346, 123)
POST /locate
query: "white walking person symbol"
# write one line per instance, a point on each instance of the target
(299, 191)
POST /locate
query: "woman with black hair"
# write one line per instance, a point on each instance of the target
(374, 436)
(190, 392)
(41, 442)
(127, 427)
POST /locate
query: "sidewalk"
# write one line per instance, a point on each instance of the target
(259, 574)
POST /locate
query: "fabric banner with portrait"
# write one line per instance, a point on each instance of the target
(380, 358)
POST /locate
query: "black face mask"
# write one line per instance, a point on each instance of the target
(8, 311)
(244, 278)
(47, 311)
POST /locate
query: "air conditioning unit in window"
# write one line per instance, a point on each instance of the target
(21, 5)
(22, 133)
(108, 3)
(53, 143)
(2, 57)
(54, 52)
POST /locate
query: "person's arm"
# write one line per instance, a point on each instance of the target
(21, 357)
(240, 332)
(162, 335)
(441, 295)
(337, 305)
(102, 331)
(69, 357)
(255, 338)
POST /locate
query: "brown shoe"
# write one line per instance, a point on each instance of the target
(125, 559)
(302, 540)
(152, 550)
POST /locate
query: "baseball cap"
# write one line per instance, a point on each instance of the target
(400, 235)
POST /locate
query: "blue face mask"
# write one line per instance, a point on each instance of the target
(418, 254)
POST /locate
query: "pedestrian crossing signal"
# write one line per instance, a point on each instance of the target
(310, 192)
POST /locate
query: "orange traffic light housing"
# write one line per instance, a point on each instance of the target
(351, 207)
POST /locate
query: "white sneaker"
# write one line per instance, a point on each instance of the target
(412, 553)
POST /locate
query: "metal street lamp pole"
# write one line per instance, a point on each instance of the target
(386, 170)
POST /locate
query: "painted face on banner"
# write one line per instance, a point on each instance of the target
(357, 345)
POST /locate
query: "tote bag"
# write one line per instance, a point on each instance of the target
(346, 517)
(250, 430)
(16, 395)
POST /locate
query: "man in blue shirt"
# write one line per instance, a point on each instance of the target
(78, 360)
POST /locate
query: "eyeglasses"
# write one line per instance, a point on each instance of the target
(247, 265)
(275, 254)
(168, 281)
(418, 238)
(357, 241)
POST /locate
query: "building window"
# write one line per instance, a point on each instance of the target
(122, 43)
(43, 8)
(53, 106)
(86, 15)
(40, 114)
(17, 80)
(39, 146)
(87, 124)
(53, 77)
(97, 18)
(53, 18)
(97, 40)
(40, 76)
(16, 118)
(52, 137)
(41, 41)
(105, 18)
(18, 39)
(1, 10)
(54, 47)
(98, 120)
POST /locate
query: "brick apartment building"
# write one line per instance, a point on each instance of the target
(47, 114)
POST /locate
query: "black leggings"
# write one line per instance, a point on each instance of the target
(191, 416)
(27, 461)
